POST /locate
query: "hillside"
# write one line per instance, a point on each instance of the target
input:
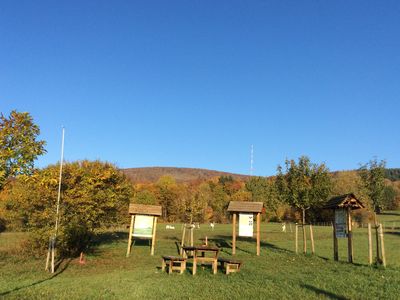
(152, 174)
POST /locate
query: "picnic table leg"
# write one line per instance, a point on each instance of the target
(170, 266)
(183, 266)
(194, 265)
(215, 266)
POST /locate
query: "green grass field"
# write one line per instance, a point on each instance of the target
(277, 273)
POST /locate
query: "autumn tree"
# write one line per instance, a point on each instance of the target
(94, 195)
(19, 145)
(167, 196)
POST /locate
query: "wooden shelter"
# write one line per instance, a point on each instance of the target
(342, 206)
(246, 211)
(143, 223)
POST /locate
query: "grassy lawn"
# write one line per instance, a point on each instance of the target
(277, 273)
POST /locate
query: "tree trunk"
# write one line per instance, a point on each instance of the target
(304, 231)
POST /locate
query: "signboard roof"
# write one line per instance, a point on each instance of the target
(143, 209)
(245, 206)
(344, 201)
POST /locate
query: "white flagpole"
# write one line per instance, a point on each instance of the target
(52, 243)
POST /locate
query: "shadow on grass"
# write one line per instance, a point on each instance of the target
(321, 292)
(43, 280)
(224, 242)
(109, 238)
(393, 232)
(390, 213)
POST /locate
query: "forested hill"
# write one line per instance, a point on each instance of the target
(152, 174)
(393, 174)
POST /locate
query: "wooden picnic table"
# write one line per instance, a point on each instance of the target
(200, 255)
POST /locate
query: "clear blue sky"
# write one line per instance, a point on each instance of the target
(195, 83)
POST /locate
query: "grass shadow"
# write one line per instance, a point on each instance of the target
(393, 232)
(41, 281)
(321, 292)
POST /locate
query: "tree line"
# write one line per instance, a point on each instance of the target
(96, 194)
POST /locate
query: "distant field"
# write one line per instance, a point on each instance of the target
(278, 273)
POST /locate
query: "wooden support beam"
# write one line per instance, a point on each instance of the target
(234, 234)
(335, 244)
(153, 238)
(130, 235)
(349, 237)
(258, 233)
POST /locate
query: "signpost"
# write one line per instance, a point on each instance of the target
(342, 206)
(246, 211)
(143, 223)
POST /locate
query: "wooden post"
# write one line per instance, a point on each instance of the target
(234, 234)
(258, 233)
(349, 237)
(304, 232)
(183, 238)
(369, 244)
(153, 238)
(312, 240)
(297, 238)
(130, 235)
(48, 256)
(335, 244)
(382, 246)
(378, 256)
(53, 253)
(191, 234)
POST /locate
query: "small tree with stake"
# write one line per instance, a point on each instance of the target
(304, 185)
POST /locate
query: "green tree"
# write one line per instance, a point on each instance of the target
(305, 185)
(145, 197)
(373, 179)
(266, 190)
(19, 145)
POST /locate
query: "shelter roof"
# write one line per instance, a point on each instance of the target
(245, 206)
(344, 201)
(143, 209)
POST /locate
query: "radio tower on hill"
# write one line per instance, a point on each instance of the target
(251, 161)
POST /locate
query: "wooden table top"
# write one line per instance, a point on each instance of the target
(201, 248)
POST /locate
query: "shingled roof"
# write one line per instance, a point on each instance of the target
(344, 201)
(245, 206)
(143, 209)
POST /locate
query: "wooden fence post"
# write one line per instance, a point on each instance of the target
(258, 233)
(312, 240)
(297, 238)
(382, 246)
(369, 244)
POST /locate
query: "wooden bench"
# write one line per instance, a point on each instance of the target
(230, 265)
(174, 263)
